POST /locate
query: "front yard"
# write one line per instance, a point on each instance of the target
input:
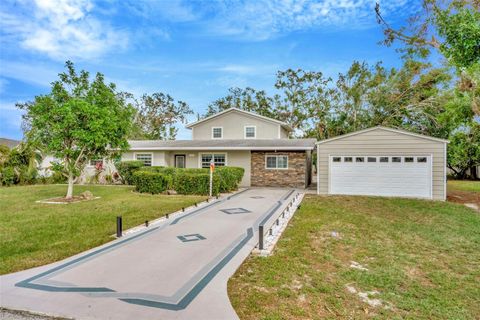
(34, 234)
(361, 258)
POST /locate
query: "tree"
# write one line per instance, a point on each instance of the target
(157, 115)
(464, 150)
(247, 99)
(451, 28)
(304, 100)
(78, 120)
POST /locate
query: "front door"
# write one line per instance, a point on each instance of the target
(179, 161)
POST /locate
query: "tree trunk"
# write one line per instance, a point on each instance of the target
(70, 187)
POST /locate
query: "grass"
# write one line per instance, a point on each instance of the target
(422, 257)
(464, 185)
(34, 234)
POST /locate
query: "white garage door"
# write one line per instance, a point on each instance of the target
(393, 176)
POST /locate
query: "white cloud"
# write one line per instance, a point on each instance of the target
(36, 74)
(264, 19)
(61, 29)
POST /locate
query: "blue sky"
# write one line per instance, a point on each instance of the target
(193, 50)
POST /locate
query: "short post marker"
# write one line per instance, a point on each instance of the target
(183, 209)
(119, 226)
(166, 216)
(260, 237)
(146, 223)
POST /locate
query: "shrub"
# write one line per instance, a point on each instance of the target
(127, 168)
(8, 176)
(229, 178)
(195, 183)
(151, 182)
(159, 169)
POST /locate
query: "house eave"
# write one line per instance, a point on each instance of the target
(221, 148)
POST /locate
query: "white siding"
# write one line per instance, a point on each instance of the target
(383, 142)
(233, 124)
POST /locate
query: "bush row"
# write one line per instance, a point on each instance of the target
(185, 181)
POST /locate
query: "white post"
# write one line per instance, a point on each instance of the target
(211, 177)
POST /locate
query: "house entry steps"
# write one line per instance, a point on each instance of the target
(174, 270)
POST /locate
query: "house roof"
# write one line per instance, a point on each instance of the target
(283, 124)
(224, 144)
(385, 129)
(11, 143)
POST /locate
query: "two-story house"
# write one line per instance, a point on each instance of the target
(239, 138)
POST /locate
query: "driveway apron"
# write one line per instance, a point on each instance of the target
(174, 270)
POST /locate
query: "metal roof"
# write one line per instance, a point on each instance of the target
(224, 144)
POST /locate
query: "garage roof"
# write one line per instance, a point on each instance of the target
(385, 129)
(224, 144)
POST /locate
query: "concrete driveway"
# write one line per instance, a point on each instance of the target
(175, 270)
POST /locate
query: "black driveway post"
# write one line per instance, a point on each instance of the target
(119, 226)
(260, 237)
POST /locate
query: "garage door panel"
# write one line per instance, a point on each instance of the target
(403, 179)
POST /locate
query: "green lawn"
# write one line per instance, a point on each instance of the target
(464, 185)
(34, 234)
(422, 257)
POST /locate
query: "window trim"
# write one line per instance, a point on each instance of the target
(245, 132)
(137, 153)
(213, 128)
(212, 153)
(276, 163)
(90, 165)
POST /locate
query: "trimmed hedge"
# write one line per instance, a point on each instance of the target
(195, 183)
(127, 168)
(151, 182)
(190, 180)
(229, 177)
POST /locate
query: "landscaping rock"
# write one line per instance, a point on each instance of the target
(171, 192)
(87, 195)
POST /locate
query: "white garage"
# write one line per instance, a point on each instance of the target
(382, 162)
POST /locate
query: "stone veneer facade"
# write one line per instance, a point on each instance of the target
(294, 176)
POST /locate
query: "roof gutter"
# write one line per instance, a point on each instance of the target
(221, 148)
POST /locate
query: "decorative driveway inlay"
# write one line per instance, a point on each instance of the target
(235, 211)
(180, 271)
(191, 237)
(257, 197)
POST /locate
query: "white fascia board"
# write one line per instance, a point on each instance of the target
(222, 148)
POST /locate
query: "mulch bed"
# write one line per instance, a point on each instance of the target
(464, 197)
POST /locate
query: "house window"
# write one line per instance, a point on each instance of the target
(359, 159)
(396, 159)
(276, 162)
(372, 159)
(337, 159)
(347, 159)
(408, 159)
(146, 158)
(217, 133)
(218, 158)
(383, 159)
(250, 132)
(96, 162)
(422, 159)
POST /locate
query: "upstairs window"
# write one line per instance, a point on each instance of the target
(146, 158)
(217, 133)
(250, 132)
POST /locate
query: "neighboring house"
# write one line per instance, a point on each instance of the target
(9, 142)
(383, 162)
(239, 138)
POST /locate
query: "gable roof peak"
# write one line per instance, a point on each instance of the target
(234, 109)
